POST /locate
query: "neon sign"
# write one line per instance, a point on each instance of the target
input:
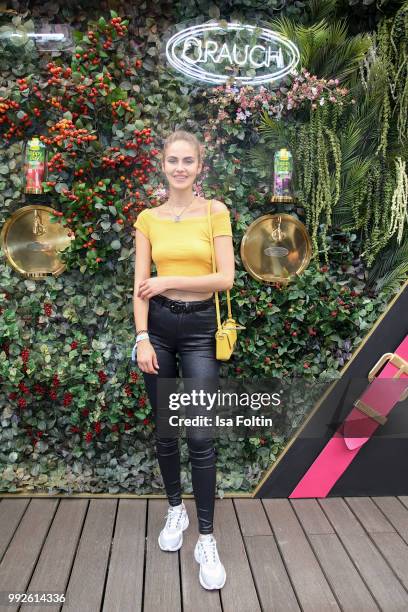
(214, 52)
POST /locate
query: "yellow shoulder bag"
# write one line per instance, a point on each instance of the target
(226, 334)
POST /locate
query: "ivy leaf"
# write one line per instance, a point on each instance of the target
(77, 36)
(115, 244)
(214, 12)
(59, 187)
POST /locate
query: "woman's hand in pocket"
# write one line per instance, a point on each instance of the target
(146, 357)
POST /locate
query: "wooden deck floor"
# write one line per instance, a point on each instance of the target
(315, 555)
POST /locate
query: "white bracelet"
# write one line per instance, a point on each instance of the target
(142, 336)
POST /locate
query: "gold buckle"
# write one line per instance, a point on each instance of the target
(370, 412)
(398, 362)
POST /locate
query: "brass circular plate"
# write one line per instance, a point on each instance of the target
(275, 248)
(31, 243)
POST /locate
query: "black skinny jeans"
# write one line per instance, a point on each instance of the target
(191, 335)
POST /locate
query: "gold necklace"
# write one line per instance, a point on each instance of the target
(177, 217)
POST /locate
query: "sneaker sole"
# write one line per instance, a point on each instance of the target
(203, 584)
(168, 548)
(210, 588)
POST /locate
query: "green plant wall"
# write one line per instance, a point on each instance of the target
(73, 409)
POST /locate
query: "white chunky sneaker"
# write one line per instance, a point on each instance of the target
(171, 536)
(212, 572)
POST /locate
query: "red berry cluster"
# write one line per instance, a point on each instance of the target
(121, 104)
(57, 163)
(39, 389)
(144, 136)
(134, 376)
(25, 354)
(56, 103)
(120, 29)
(67, 399)
(9, 106)
(67, 132)
(55, 381)
(102, 377)
(5, 106)
(47, 309)
(37, 92)
(57, 72)
(22, 84)
(128, 390)
(23, 388)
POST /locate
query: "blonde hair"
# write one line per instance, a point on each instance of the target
(188, 137)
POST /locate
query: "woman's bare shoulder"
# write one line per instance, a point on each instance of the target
(218, 206)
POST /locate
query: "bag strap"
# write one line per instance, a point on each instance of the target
(215, 269)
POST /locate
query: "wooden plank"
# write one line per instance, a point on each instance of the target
(124, 587)
(370, 515)
(11, 511)
(312, 589)
(23, 551)
(375, 571)
(311, 516)
(403, 499)
(395, 550)
(162, 578)
(272, 582)
(239, 591)
(396, 513)
(345, 581)
(86, 583)
(251, 517)
(54, 565)
(195, 597)
(390, 543)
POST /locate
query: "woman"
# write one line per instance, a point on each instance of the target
(175, 316)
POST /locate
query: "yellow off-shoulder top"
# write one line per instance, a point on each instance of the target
(183, 248)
